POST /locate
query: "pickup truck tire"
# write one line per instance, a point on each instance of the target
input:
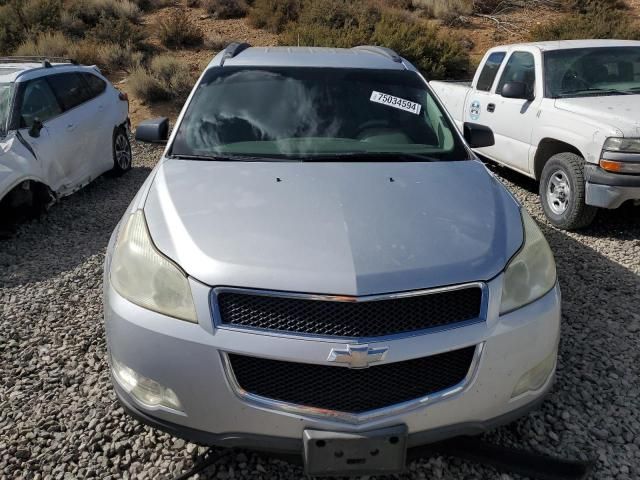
(122, 157)
(562, 192)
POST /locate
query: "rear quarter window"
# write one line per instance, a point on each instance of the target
(96, 84)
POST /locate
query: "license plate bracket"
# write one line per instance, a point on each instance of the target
(338, 453)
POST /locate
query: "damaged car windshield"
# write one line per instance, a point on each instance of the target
(314, 113)
(5, 103)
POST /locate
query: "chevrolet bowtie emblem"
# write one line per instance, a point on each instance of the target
(357, 356)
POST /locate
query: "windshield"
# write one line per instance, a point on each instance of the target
(584, 72)
(313, 113)
(5, 105)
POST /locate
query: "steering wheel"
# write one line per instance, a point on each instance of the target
(571, 81)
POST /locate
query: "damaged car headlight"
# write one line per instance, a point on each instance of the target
(531, 273)
(142, 275)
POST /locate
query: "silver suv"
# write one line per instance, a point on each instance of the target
(320, 264)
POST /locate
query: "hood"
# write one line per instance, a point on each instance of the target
(333, 228)
(618, 111)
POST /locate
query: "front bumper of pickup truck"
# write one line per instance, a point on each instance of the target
(189, 359)
(610, 190)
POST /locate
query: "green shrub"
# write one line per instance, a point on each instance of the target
(333, 23)
(11, 30)
(165, 79)
(151, 5)
(274, 15)
(20, 19)
(444, 9)
(177, 30)
(117, 29)
(146, 87)
(435, 56)
(603, 23)
(225, 8)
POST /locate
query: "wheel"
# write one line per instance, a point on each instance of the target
(121, 151)
(562, 192)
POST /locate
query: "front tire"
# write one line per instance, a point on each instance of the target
(562, 192)
(122, 156)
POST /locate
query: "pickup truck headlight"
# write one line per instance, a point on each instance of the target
(531, 273)
(619, 144)
(147, 278)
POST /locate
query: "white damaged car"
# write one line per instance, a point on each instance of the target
(61, 126)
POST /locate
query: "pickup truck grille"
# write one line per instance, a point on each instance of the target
(354, 391)
(357, 319)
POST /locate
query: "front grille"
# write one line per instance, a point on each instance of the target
(351, 390)
(372, 318)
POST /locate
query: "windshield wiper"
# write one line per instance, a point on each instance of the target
(225, 158)
(370, 157)
(594, 91)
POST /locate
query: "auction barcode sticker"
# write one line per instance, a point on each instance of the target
(396, 102)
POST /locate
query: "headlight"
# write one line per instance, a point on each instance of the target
(145, 277)
(619, 144)
(531, 273)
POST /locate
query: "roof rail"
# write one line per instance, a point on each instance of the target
(387, 52)
(232, 50)
(46, 61)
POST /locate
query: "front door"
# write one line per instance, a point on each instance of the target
(512, 120)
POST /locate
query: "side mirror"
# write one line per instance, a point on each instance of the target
(478, 136)
(516, 90)
(36, 127)
(155, 130)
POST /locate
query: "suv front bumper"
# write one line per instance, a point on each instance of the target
(610, 190)
(186, 358)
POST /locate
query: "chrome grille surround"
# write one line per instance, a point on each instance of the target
(218, 321)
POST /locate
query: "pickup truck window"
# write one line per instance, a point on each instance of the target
(5, 105)
(581, 72)
(489, 71)
(302, 113)
(520, 67)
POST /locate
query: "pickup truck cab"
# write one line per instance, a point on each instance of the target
(564, 113)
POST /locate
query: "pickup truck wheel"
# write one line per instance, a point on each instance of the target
(562, 192)
(121, 151)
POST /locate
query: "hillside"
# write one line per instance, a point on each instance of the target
(154, 49)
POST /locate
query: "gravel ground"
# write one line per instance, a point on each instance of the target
(59, 417)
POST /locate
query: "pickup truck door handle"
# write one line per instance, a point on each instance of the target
(491, 107)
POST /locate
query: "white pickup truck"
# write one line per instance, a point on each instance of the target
(566, 113)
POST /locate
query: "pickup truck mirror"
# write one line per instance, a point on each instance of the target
(478, 136)
(155, 130)
(516, 90)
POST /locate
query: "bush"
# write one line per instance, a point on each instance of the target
(333, 23)
(274, 15)
(445, 9)
(589, 6)
(114, 57)
(435, 56)
(165, 79)
(341, 23)
(21, 18)
(226, 8)
(119, 29)
(150, 5)
(57, 45)
(600, 23)
(177, 30)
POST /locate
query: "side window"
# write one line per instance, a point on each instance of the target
(489, 71)
(37, 101)
(96, 85)
(70, 89)
(520, 67)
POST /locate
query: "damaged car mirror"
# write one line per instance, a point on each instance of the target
(155, 130)
(36, 127)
